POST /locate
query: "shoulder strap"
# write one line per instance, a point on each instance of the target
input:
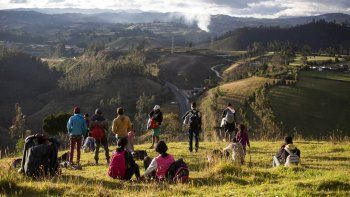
(288, 151)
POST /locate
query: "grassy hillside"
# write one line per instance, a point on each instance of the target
(233, 92)
(317, 104)
(323, 171)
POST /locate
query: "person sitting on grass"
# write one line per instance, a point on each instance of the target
(288, 154)
(160, 165)
(237, 152)
(122, 165)
(89, 144)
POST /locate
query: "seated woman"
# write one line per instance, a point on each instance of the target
(122, 165)
(160, 164)
(288, 154)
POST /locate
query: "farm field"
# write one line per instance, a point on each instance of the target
(323, 171)
(321, 100)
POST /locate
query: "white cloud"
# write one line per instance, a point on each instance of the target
(198, 11)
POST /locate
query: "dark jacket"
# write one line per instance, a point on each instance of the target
(130, 162)
(40, 159)
(282, 154)
(157, 116)
(190, 112)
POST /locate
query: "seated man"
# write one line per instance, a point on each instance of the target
(122, 165)
(40, 156)
(288, 154)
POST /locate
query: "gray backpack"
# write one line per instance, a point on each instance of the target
(230, 116)
(292, 159)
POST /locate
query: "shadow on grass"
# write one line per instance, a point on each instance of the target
(211, 181)
(89, 181)
(333, 185)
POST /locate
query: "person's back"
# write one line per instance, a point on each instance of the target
(76, 125)
(163, 164)
(286, 150)
(121, 126)
(242, 136)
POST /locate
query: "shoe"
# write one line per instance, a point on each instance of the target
(196, 149)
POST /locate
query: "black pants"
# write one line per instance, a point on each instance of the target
(195, 133)
(131, 171)
(103, 142)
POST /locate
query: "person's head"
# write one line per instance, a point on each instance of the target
(193, 105)
(41, 138)
(120, 111)
(122, 142)
(156, 108)
(161, 148)
(86, 116)
(229, 105)
(76, 110)
(241, 127)
(288, 140)
(98, 111)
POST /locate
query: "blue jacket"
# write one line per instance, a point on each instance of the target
(76, 125)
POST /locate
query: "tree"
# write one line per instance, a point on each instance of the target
(143, 105)
(17, 130)
(56, 123)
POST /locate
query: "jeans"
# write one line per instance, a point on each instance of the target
(75, 141)
(194, 132)
(98, 143)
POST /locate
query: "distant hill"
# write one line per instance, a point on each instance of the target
(221, 24)
(318, 35)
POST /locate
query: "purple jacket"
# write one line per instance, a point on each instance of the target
(243, 138)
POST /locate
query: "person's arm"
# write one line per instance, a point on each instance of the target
(224, 113)
(160, 118)
(151, 114)
(248, 143)
(69, 125)
(129, 124)
(114, 126)
(152, 167)
(186, 114)
(84, 127)
(200, 120)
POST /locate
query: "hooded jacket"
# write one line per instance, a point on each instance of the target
(76, 125)
(121, 126)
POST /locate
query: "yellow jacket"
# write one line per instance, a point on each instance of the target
(121, 126)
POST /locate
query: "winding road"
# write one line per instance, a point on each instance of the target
(217, 72)
(180, 97)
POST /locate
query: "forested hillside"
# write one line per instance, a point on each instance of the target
(317, 35)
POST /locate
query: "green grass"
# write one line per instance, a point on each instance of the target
(316, 105)
(324, 171)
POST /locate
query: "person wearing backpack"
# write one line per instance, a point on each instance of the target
(229, 120)
(288, 154)
(122, 165)
(194, 120)
(98, 128)
(156, 119)
(160, 164)
(77, 128)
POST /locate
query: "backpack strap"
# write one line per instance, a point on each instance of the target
(288, 151)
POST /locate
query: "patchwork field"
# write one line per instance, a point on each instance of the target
(317, 105)
(323, 171)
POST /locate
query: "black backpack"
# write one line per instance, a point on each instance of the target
(194, 119)
(178, 172)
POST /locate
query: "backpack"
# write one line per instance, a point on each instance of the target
(152, 124)
(117, 168)
(97, 132)
(292, 159)
(194, 119)
(178, 172)
(230, 116)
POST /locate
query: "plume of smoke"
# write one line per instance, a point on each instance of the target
(201, 20)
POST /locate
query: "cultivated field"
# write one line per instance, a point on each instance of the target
(316, 105)
(324, 171)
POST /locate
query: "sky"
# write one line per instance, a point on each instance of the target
(198, 10)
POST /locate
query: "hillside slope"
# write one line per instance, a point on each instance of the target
(317, 105)
(323, 171)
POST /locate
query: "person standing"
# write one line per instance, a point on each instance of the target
(229, 117)
(121, 125)
(98, 129)
(77, 128)
(194, 120)
(156, 119)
